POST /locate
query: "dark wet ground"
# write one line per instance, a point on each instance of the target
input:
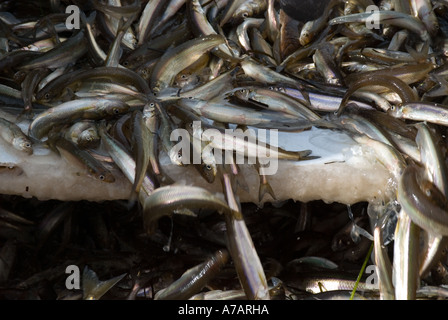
(109, 239)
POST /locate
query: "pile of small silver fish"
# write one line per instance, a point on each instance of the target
(106, 82)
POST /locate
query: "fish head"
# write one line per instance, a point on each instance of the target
(89, 138)
(104, 176)
(115, 108)
(208, 172)
(23, 144)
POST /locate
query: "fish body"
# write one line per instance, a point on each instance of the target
(74, 110)
(179, 58)
(11, 133)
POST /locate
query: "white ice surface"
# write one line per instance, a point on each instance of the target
(345, 172)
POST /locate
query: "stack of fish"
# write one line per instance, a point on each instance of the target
(106, 83)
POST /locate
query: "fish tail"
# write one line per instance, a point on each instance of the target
(309, 157)
(264, 189)
(155, 166)
(93, 289)
(304, 153)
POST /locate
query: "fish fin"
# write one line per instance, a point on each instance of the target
(68, 94)
(90, 19)
(309, 158)
(125, 25)
(93, 289)
(137, 183)
(140, 175)
(441, 90)
(154, 163)
(419, 56)
(132, 199)
(89, 283)
(242, 183)
(304, 94)
(305, 155)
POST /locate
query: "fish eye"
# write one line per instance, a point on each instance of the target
(183, 76)
(101, 177)
(125, 63)
(28, 145)
(152, 104)
(115, 110)
(47, 96)
(208, 167)
(179, 154)
(245, 14)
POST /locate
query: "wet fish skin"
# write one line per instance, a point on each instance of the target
(166, 200)
(229, 10)
(121, 75)
(84, 134)
(393, 83)
(275, 100)
(406, 257)
(194, 279)
(421, 111)
(73, 110)
(29, 85)
(152, 123)
(94, 167)
(435, 172)
(11, 133)
(241, 248)
(126, 163)
(68, 51)
(148, 18)
(179, 58)
(140, 143)
(388, 17)
(242, 31)
(423, 211)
